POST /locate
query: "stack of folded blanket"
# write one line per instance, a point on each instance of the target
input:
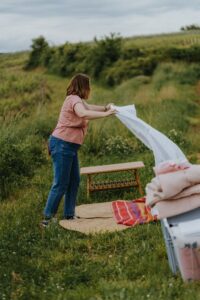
(174, 190)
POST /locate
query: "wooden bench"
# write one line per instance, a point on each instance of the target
(131, 167)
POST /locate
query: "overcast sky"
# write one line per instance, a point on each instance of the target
(80, 20)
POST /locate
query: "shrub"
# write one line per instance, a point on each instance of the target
(190, 27)
(43, 126)
(191, 54)
(103, 54)
(178, 73)
(19, 158)
(147, 65)
(21, 93)
(95, 139)
(131, 52)
(117, 145)
(68, 59)
(189, 76)
(123, 69)
(39, 54)
(106, 59)
(177, 137)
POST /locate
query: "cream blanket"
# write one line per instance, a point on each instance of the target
(169, 208)
(174, 193)
(174, 185)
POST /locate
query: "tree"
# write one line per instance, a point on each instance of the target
(104, 53)
(190, 27)
(39, 53)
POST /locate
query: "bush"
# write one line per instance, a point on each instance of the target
(19, 158)
(190, 27)
(21, 93)
(191, 54)
(177, 137)
(128, 53)
(43, 126)
(117, 146)
(103, 54)
(68, 59)
(190, 76)
(122, 70)
(39, 54)
(94, 141)
(106, 59)
(176, 73)
(125, 69)
(147, 65)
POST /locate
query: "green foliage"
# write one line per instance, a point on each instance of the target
(183, 74)
(20, 156)
(68, 59)
(190, 76)
(20, 93)
(117, 145)
(40, 53)
(177, 137)
(94, 140)
(121, 70)
(190, 27)
(44, 128)
(191, 54)
(103, 54)
(130, 52)
(125, 69)
(108, 59)
(147, 65)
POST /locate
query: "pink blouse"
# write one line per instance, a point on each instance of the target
(70, 127)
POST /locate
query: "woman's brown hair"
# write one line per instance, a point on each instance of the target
(80, 86)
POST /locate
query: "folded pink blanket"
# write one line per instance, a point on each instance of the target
(170, 185)
(152, 198)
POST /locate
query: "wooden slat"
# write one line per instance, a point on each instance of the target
(112, 168)
(111, 186)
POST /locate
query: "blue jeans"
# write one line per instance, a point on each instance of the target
(66, 177)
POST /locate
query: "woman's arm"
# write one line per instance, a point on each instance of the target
(88, 114)
(97, 107)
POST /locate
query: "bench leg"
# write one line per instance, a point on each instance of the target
(88, 185)
(138, 182)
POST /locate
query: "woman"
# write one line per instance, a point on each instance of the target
(65, 142)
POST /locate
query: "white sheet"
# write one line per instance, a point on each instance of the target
(163, 148)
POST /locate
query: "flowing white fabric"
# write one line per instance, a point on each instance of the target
(163, 148)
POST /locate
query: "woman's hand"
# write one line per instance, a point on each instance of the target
(108, 106)
(110, 112)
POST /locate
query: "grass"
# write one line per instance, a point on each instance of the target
(59, 264)
(164, 40)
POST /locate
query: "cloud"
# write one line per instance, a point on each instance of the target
(80, 20)
(87, 8)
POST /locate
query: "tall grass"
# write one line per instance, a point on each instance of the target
(21, 93)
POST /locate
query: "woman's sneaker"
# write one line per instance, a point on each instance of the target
(45, 222)
(71, 217)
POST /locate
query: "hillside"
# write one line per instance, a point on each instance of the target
(58, 264)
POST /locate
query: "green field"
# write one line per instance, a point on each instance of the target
(57, 264)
